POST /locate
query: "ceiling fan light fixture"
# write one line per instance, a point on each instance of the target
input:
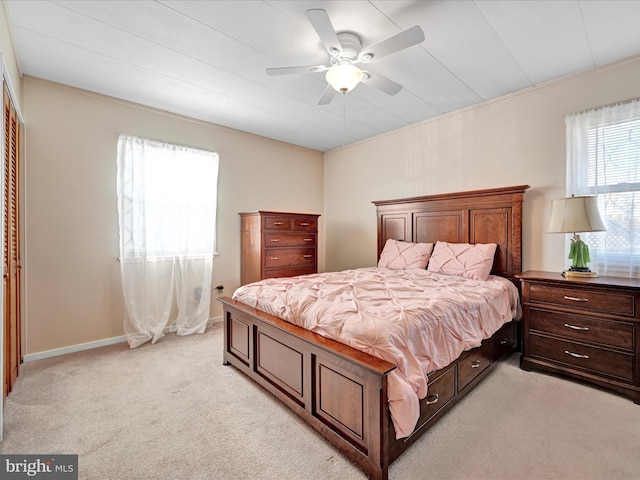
(344, 77)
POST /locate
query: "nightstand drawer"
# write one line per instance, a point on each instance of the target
(593, 359)
(579, 327)
(616, 303)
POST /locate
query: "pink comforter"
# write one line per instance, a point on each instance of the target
(419, 320)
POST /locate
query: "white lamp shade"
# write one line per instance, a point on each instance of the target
(344, 77)
(575, 214)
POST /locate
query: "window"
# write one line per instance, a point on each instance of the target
(167, 199)
(603, 159)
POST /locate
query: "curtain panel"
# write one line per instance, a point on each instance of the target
(167, 200)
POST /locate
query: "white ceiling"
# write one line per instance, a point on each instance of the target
(207, 59)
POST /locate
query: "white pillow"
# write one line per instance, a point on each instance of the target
(398, 255)
(463, 259)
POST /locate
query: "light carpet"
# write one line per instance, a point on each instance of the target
(173, 411)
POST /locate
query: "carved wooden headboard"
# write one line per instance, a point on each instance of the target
(479, 216)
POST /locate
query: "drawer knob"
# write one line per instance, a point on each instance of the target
(475, 364)
(504, 341)
(576, 327)
(431, 399)
(576, 355)
(576, 299)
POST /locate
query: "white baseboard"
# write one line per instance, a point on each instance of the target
(97, 344)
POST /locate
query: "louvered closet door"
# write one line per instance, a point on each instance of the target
(12, 265)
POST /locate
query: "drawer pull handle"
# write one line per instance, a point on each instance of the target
(308, 256)
(475, 364)
(504, 342)
(576, 355)
(308, 239)
(304, 224)
(431, 399)
(278, 223)
(274, 258)
(576, 327)
(576, 299)
(275, 239)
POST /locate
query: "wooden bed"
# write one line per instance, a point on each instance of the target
(342, 392)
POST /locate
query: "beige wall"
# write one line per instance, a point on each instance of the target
(73, 290)
(518, 139)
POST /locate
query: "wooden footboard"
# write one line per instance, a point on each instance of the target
(340, 391)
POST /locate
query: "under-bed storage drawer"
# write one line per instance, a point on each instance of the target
(441, 390)
(473, 364)
(505, 341)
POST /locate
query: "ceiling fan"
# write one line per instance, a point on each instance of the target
(346, 52)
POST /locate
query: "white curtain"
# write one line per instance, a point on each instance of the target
(167, 212)
(603, 159)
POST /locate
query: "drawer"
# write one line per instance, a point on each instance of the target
(473, 363)
(285, 239)
(440, 391)
(612, 302)
(579, 327)
(504, 341)
(289, 272)
(589, 358)
(305, 223)
(287, 257)
(277, 223)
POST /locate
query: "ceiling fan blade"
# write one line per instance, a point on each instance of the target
(382, 83)
(323, 27)
(327, 95)
(292, 70)
(398, 42)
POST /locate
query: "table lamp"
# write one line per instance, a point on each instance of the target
(575, 215)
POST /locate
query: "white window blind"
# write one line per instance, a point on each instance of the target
(603, 159)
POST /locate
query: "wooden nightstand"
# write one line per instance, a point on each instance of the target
(584, 328)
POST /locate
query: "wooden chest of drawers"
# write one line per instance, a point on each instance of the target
(277, 244)
(587, 329)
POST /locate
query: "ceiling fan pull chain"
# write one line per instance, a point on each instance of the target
(344, 120)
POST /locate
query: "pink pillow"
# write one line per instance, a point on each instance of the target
(463, 259)
(398, 255)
